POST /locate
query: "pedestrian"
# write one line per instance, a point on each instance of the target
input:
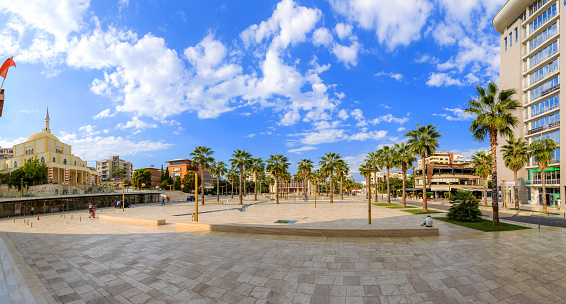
(90, 210)
(94, 211)
(163, 201)
(558, 202)
(428, 221)
(32, 210)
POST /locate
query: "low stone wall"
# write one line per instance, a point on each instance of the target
(132, 221)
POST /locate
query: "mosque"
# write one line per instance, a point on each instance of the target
(62, 166)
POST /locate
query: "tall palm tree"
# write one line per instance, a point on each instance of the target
(515, 155)
(482, 168)
(342, 169)
(270, 181)
(543, 153)
(218, 169)
(386, 159)
(277, 165)
(404, 159)
(231, 175)
(328, 163)
(365, 170)
(423, 141)
(256, 166)
(202, 156)
(305, 167)
(493, 111)
(373, 160)
(241, 159)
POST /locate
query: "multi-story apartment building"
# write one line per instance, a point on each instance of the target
(180, 167)
(6, 153)
(442, 157)
(442, 177)
(530, 47)
(106, 168)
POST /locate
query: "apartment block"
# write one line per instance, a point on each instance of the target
(530, 47)
(106, 168)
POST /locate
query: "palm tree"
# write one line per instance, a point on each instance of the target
(241, 159)
(218, 169)
(270, 181)
(328, 163)
(232, 175)
(277, 165)
(373, 159)
(482, 168)
(365, 170)
(256, 166)
(342, 168)
(493, 113)
(515, 155)
(404, 159)
(386, 159)
(305, 167)
(202, 156)
(423, 141)
(543, 153)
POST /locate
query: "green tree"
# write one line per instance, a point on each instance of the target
(35, 172)
(423, 141)
(218, 169)
(256, 166)
(365, 170)
(241, 159)
(328, 163)
(515, 156)
(188, 181)
(342, 169)
(120, 173)
(305, 167)
(373, 160)
(232, 175)
(493, 113)
(127, 183)
(543, 153)
(482, 169)
(464, 207)
(277, 165)
(386, 159)
(177, 184)
(202, 156)
(403, 159)
(142, 176)
(168, 177)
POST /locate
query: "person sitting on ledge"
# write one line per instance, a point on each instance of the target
(428, 221)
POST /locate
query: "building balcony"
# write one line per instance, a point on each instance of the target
(527, 84)
(550, 126)
(528, 67)
(543, 112)
(527, 34)
(538, 182)
(553, 162)
(545, 94)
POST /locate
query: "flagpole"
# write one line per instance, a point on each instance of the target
(2, 83)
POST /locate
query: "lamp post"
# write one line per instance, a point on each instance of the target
(196, 193)
(315, 189)
(123, 197)
(503, 190)
(369, 194)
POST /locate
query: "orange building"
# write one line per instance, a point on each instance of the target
(155, 176)
(180, 167)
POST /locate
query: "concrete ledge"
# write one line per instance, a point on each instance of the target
(131, 221)
(306, 231)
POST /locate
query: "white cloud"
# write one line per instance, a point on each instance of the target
(347, 54)
(88, 130)
(10, 143)
(136, 124)
(357, 114)
(426, 58)
(343, 30)
(457, 115)
(302, 149)
(389, 118)
(396, 23)
(103, 114)
(442, 79)
(363, 136)
(468, 153)
(96, 148)
(396, 76)
(343, 114)
(324, 136)
(26, 111)
(322, 36)
(400, 129)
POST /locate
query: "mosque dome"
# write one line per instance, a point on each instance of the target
(42, 134)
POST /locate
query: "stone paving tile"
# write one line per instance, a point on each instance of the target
(115, 263)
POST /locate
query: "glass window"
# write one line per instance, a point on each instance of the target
(543, 54)
(543, 89)
(505, 44)
(15, 164)
(543, 37)
(544, 71)
(542, 19)
(517, 34)
(510, 40)
(53, 159)
(42, 160)
(64, 162)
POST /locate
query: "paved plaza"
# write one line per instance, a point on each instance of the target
(73, 259)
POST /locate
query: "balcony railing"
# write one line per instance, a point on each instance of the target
(555, 181)
(541, 111)
(535, 164)
(542, 128)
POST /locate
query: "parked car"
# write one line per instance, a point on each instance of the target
(190, 198)
(119, 204)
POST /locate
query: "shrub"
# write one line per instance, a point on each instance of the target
(464, 208)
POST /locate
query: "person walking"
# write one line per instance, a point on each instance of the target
(89, 210)
(32, 210)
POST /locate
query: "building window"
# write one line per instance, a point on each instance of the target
(75, 162)
(505, 44)
(517, 33)
(42, 160)
(64, 162)
(31, 151)
(53, 159)
(510, 40)
(15, 164)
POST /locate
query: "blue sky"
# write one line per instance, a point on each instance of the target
(150, 80)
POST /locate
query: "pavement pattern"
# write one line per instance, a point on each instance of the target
(83, 260)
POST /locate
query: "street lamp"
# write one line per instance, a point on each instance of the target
(369, 194)
(315, 189)
(196, 192)
(123, 197)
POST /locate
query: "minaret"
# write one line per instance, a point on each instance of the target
(47, 122)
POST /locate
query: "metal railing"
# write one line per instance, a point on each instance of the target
(72, 192)
(554, 181)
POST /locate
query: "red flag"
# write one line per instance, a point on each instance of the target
(4, 69)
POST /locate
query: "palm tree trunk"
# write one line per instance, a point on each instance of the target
(375, 182)
(276, 190)
(425, 209)
(494, 190)
(404, 195)
(202, 187)
(255, 187)
(232, 188)
(305, 183)
(331, 188)
(218, 187)
(516, 191)
(341, 187)
(241, 172)
(543, 189)
(485, 192)
(388, 191)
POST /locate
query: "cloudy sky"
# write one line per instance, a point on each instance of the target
(150, 80)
